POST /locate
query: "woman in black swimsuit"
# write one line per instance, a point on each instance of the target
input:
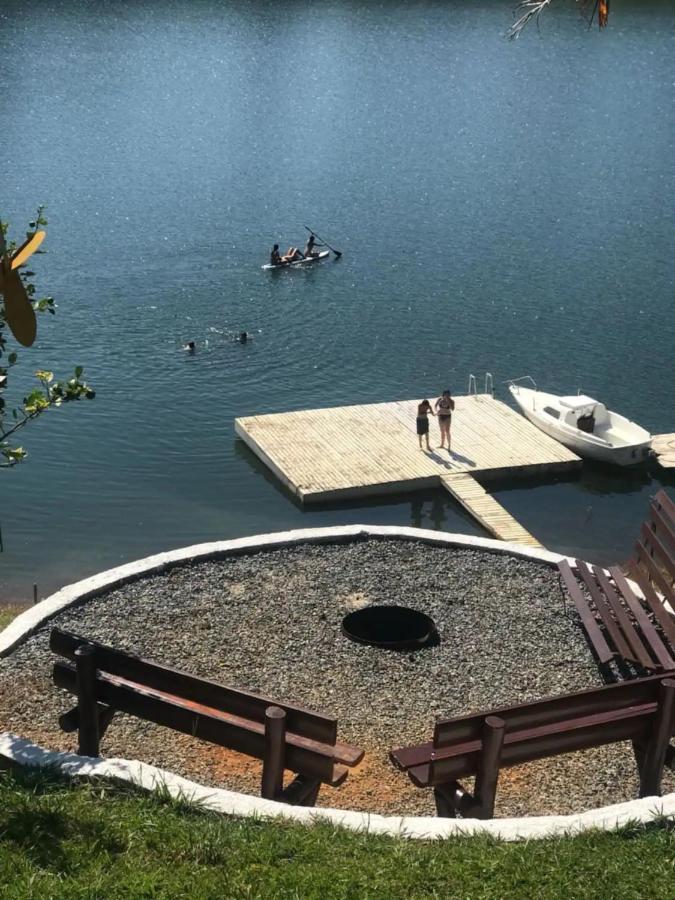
(444, 407)
(423, 409)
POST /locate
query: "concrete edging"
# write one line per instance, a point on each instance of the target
(81, 591)
(23, 752)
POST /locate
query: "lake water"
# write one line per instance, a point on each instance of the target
(501, 206)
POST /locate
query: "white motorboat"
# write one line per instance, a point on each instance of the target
(305, 261)
(584, 425)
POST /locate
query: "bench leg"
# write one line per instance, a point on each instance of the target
(452, 800)
(70, 721)
(670, 758)
(302, 791)
(656, 750)
(445, 797)
(487, 776)
(88, 735)
(273, 760)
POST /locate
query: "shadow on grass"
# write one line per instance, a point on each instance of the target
(49, 825)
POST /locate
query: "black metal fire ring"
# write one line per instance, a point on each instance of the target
(390, 627)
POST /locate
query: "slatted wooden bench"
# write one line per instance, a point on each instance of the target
(635, 626)
(283, 736)
(642, 711)
(654, 559)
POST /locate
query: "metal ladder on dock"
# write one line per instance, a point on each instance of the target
(489, 385)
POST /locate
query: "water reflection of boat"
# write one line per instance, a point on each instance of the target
(584, 425)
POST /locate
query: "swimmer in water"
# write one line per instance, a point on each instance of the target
(190, 347)
(243, 337)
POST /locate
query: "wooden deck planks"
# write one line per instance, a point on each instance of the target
(361, 450)
(492, 515)
(353, 449)
(664, 447)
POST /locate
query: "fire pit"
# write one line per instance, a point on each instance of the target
(390, 627)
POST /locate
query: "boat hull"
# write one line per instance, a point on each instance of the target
(531, 404)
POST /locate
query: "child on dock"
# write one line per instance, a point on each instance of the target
(423, 410)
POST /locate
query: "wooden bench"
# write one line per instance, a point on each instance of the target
(654, 559)
(642, 711)
(632, 625)
(283, 736)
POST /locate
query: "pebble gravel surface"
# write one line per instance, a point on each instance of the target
(270, 621)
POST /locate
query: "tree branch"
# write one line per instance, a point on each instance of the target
(533, 9)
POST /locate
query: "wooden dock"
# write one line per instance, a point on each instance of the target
(491, 515)
(345, 452)
(664, 447)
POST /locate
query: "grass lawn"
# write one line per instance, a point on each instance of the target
(61, 840)
(7, 613)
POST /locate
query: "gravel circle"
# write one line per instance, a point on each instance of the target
(270, 622)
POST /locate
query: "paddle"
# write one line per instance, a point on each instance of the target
(337, 253)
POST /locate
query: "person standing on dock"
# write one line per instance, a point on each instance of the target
(423, 410)
(444, 407)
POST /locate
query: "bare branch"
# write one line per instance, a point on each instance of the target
(532, 9)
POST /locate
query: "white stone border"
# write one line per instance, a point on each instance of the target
(74, 594)
(23, 752)
(608, 818)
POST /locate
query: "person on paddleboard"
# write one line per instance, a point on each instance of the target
(292, 254)
(309, 246)
(277, 260)
(275, 256)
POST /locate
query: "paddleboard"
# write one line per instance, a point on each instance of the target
(300, 262)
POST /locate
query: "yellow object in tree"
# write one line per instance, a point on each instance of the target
(27, 249)
(19, 312)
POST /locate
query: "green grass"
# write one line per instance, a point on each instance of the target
(62, 840)
(7, 613)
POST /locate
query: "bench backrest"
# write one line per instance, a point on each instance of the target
(549, 727)
(159, 677)
(612, 698)
(201, 708)
(655, 547)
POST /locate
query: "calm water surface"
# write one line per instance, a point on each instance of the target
(500, 206)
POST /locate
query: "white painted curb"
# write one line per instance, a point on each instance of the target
(148, 777)
(71, 595)
(608, 818)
